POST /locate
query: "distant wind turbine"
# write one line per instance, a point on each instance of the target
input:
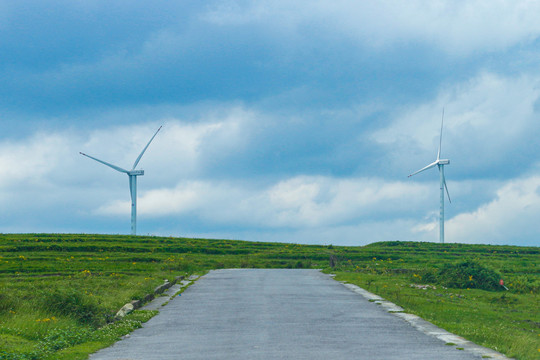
(440, 164)
(132, 181)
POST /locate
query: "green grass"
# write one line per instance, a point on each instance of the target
(52, 285)
(507, 321)
(59, 293)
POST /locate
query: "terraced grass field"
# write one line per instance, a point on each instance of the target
(59, 292)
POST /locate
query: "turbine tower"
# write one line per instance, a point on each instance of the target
(440, 163)
(132, 181)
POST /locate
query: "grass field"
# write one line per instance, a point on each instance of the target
(505, 320)
(59, 293)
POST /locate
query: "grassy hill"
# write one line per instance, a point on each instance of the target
(59, 293)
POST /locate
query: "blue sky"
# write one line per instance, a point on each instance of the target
(282, 121)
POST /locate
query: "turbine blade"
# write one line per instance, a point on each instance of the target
(424, 168)
(446, 187)
(146, 147)
(440, 139)
(117, 168)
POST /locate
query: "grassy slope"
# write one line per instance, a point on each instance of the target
(58, 292)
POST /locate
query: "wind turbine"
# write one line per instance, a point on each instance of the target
(132, 181)
(440, 163)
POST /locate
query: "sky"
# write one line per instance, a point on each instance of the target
(287, 121)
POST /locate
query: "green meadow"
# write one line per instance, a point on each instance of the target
(59, 293)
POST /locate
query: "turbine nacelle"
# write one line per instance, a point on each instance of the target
(443, 162)
(136, 172)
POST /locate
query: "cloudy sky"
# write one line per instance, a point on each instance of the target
(291, 121)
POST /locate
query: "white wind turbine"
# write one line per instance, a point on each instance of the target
(440, 164)
(132, 181)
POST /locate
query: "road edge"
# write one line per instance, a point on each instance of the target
(425, 326)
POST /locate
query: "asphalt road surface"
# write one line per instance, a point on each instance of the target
(275, 314)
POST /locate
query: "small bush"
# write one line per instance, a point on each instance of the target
(7, 303)
(72, 303)
(469, 274)
(525, 284)
(429, 277)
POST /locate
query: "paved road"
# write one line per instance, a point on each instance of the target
(275, 314)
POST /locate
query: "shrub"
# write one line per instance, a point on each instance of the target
(525, 284)
(469, 274)
(429, 277)
(7, 302)
(72, 303)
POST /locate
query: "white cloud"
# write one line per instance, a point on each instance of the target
(486, 119)
(179, 150)
(31, 159)
(51, 164)
(317, 201)
(455, 27)
(510, 218)
(185, 198)
(304, 201)
(458, 28)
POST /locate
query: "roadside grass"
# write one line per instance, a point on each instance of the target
(505, 320)
(91, 341)
(59, 293)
